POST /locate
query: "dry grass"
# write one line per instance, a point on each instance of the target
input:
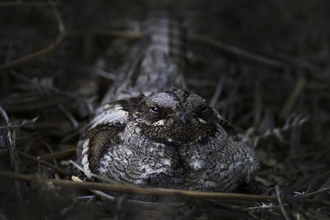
(263, 64)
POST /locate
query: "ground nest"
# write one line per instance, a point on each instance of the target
(264, 65)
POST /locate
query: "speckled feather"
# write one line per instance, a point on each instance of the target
(164, 137)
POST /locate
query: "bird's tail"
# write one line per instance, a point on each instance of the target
(158, 59)
(162, 63)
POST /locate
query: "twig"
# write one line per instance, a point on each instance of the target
(24, 123)
(26, 4)
(14, 158)
(58, 169)
(126, 71)
(10, 137)
(46, 50)
(262, 207)
(130, 34)
(49, 90)
(257, 105)
(113, 33)
(267, 172)
(294, 61)
(80, 68)
(231, 97)
(317, 192)
(68, 115)
(201, 82)
(142, 190)
(217, 92)
(293, 120)
(280, 203)
(99, 193)
(235, 50)
(50, 150)
(64, 153)
(293, 98)
(299, 156)
(111, 198)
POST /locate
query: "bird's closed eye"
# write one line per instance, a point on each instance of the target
(155, 109)
(203, 108)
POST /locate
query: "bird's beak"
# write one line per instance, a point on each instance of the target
(183, 117)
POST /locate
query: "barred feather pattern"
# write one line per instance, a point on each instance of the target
(157, 133)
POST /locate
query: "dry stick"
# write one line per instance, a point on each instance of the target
(24, 123)
(319, 177)
(141, 190)
(128, 68)
(292, 99)
(46, 88)
(257, 105)
(262, 207)
(298, 62)
(105, 32)
(107, 197)
(14, 159)
(317, 192)
(217, 91)
(215, 43)
(130, 34)
(96, 192)
(26, 156)
(46, 50)
(299, 156)
(25, 4)
(235, 50)
(61, 154)
(68, 115)
(80, 68)
(60, 106)
(280, 203)
(199, 38)
(267, 172)
(13, 153)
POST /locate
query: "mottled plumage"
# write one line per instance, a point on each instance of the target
(164, 137)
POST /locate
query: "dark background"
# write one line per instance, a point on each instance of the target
(264, 65)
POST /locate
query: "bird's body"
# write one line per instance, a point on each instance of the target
(160, 136)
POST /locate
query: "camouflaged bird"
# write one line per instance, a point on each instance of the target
(155, 132)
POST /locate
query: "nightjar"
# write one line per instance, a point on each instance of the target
(155, 132)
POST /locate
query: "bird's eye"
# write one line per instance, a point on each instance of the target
(154, 109)
(204, 108)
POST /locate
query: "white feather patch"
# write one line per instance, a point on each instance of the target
(201, 120)
(196, 164)
(160, 122)
(115, 114)
(84, 160)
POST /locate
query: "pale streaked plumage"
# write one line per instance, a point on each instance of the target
(164, 137)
